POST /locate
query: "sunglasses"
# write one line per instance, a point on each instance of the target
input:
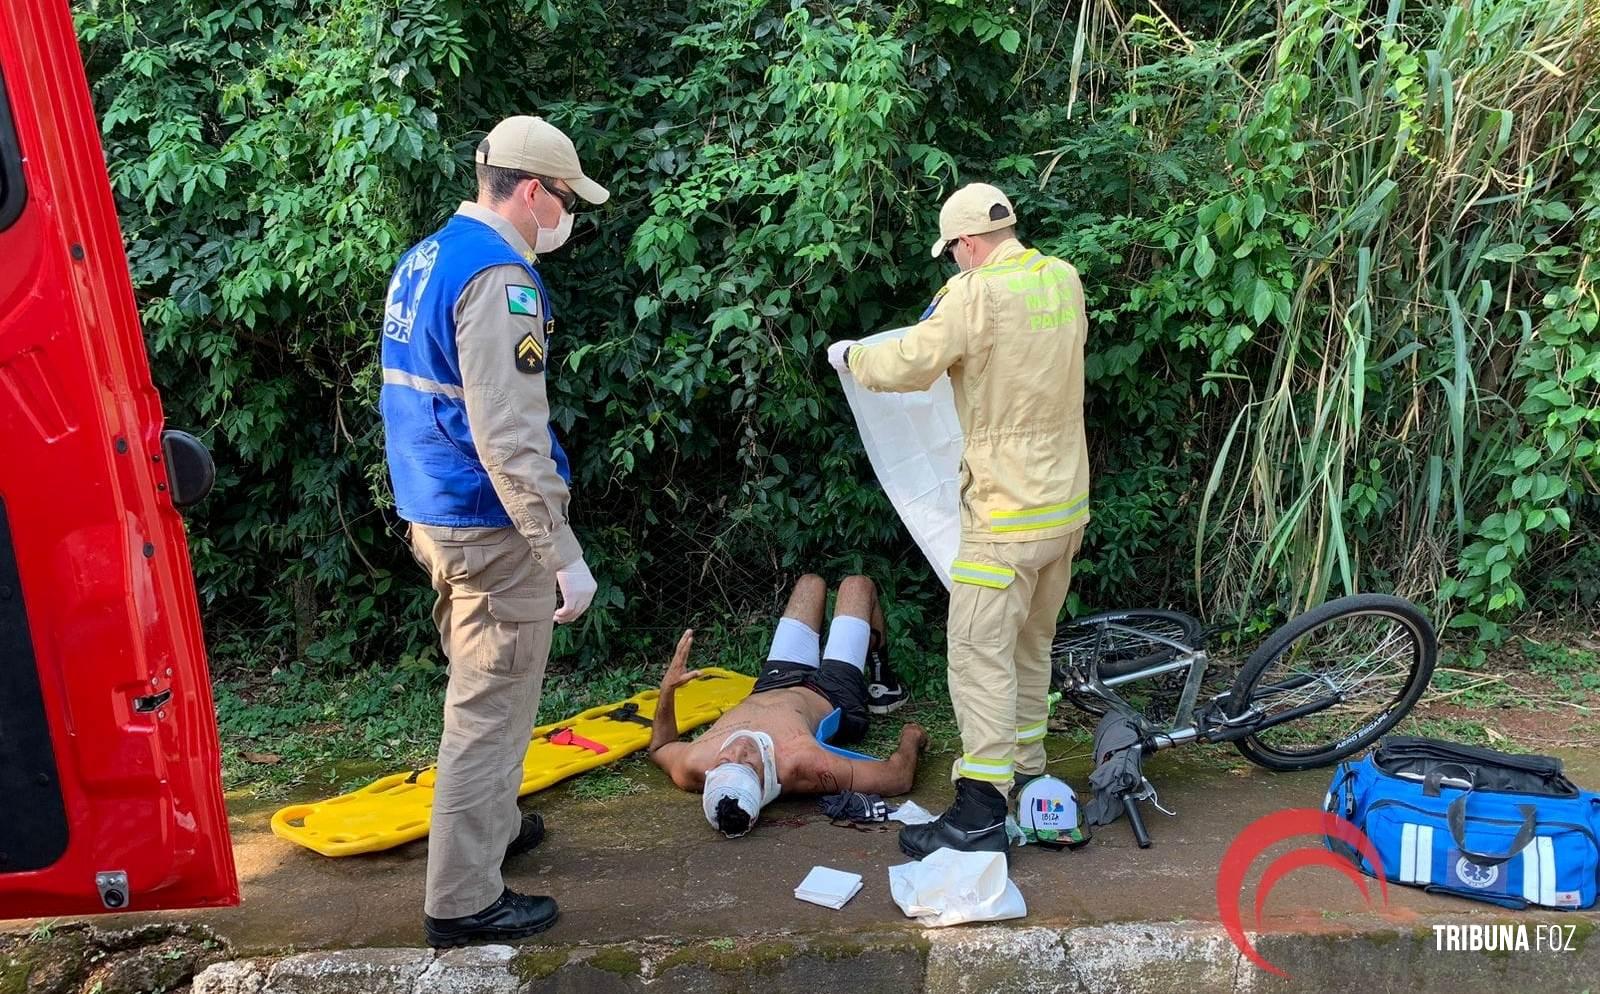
(950, 249)
(568, 199)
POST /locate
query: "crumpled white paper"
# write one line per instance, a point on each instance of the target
(913, 441)
(950, 887)
(912, 813)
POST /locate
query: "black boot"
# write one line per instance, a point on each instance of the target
(529, 836)
(976, 822)
(513, 916)
(1020, 783)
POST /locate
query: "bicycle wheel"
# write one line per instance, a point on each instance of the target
(1376, 651)
(1080, 640)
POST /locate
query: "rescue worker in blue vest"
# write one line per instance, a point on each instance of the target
(478, 472)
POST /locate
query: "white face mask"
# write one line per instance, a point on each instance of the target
(550, 239)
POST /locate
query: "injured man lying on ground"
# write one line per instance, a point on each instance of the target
(768, 745)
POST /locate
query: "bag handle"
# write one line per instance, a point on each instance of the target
(1456, 818)
(1431, 782)
(1339, 847)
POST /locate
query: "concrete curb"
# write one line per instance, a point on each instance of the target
(1156, 958)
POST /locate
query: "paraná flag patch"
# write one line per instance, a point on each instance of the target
(522, 300)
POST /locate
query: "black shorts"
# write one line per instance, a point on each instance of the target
(842, 685)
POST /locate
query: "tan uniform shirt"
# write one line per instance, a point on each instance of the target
(508, 409)
(1011, 335)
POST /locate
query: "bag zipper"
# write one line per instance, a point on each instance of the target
(1445, 753)
(1576, 791)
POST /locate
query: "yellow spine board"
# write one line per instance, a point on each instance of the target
(395, 809)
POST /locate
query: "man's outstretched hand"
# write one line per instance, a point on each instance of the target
(664, 729)
(913, 736)
(678, 672)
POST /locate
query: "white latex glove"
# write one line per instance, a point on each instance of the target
(836, 353)
(577, 591)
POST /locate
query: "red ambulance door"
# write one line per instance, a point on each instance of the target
(109, 764)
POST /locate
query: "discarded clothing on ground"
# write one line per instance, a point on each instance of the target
(854, 806)
(1119, 754)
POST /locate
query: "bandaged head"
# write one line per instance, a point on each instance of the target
(737, 783)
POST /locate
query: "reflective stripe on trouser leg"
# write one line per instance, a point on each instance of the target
(1029, 734)
(1054, 559)
(980, 574)
(995, 771)
(986, 611)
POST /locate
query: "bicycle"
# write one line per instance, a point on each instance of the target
(1362, 660)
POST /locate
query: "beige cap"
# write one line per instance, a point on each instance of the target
(972, 210)
(536, 146)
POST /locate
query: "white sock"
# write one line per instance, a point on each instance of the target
(795, 642)
(847, 641)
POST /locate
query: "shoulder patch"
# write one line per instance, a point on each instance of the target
(522, 300)
(529, 354)
(934, 303)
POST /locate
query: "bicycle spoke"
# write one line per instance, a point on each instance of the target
(1365, 665)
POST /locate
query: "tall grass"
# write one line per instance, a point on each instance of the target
(1442, 164)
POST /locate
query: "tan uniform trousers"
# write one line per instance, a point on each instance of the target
(1003, 608)
(494, 607)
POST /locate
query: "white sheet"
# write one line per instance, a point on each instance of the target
(913, 441)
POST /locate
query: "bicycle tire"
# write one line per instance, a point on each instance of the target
(1384, 605)
(1180, 627)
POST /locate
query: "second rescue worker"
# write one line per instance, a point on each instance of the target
(1009, 329)
(479, 474)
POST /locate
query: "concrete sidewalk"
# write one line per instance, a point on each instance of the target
(641, 879)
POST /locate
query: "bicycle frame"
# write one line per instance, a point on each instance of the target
(1211, 724)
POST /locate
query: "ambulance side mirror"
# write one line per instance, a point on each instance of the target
(190, 471)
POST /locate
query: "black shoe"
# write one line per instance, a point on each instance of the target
(976, 822)
(1020, 783)
(885, 691)
(513, 916)
(530, 835)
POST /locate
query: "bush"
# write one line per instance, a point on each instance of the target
(1341, 263)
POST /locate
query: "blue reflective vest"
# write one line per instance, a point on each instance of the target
(433, 463)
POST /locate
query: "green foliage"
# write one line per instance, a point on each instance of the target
(1340, 260)
(1549, 658)
(1574, 672)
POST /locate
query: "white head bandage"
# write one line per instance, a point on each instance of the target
(739, 782)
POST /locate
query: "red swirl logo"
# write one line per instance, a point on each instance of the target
(1262, 834)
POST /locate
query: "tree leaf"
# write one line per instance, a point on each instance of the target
(1261, 301)
(1256, 210)
(1204, 258)
(1508, 252)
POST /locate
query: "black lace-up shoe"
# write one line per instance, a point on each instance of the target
(885, 690)
(530, 835)
(513, 916)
